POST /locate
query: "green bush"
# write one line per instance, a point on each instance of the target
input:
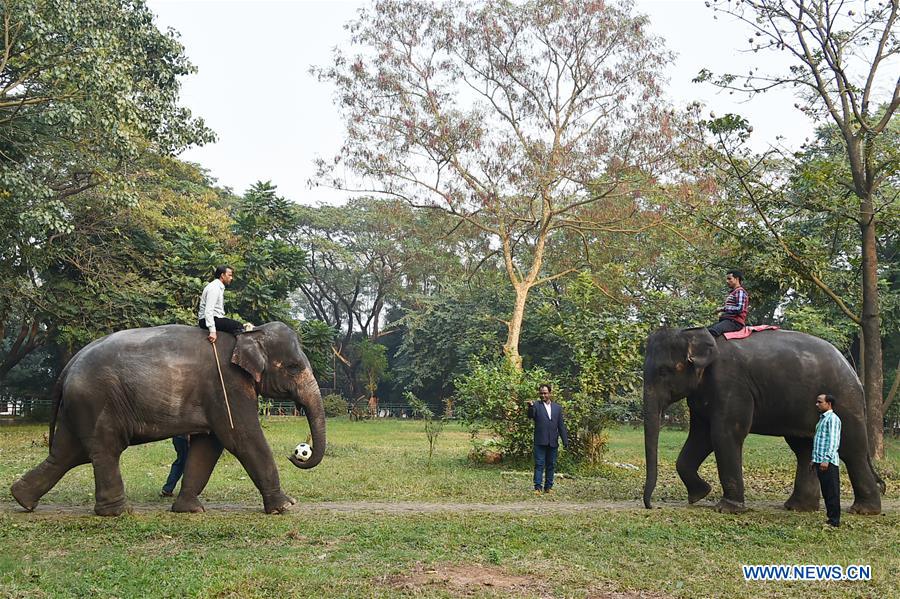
(334, 405)
(494, 397)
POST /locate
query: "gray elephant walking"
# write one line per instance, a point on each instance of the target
(764, 384)
(143, 385)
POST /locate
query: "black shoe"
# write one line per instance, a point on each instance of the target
(165, 493)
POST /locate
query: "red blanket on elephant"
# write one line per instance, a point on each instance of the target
(746, 331)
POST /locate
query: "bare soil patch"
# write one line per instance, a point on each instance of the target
(465, 580)
(468, 580)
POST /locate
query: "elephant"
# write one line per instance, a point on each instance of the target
(766, 384)
(141, 385)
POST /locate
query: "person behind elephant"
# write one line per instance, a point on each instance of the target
(733, 314)
(211, 314)
(825, 460)
(549, 426)
(182, 443)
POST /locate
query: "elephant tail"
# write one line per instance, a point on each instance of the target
(57, 400)
(881, 484)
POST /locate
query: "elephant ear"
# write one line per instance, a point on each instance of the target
(249, 355)
(701, 350)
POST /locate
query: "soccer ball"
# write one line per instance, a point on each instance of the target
(303, 452)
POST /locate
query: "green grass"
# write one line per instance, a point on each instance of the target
(677, 551)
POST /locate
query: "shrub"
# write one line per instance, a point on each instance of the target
(494, 396)
(334, 405)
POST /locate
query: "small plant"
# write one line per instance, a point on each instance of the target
(433, 427)
(334, 405)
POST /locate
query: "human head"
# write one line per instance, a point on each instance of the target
(825, 402)
(544, 391)
(224, 273)
(734, 278)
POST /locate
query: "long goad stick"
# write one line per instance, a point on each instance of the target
(222, 380)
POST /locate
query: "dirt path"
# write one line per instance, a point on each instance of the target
(414, 507)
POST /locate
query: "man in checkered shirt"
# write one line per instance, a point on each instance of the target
(733, 315)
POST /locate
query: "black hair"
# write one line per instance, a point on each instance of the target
(549, 388)
(220, 270)
(736, 274)
(830, 399)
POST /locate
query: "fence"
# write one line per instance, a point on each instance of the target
(25, 408)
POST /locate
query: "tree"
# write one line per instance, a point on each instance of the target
(836, 49)
(86, 89)
(270, 258)
(529, 122)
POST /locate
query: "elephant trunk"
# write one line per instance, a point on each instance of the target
(652, 418)
(310, 399)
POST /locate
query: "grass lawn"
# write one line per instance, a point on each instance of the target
(547, 551)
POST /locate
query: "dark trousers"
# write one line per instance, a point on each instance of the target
(725, 325)
(830, 481)
(544, 465)
(224, 324)
(181, 450)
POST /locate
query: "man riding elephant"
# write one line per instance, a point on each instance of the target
(733, 313)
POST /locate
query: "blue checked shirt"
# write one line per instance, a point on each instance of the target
(827, 439)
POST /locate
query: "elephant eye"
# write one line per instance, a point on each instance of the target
(294, 368)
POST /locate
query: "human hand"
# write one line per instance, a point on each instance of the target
(823, 466)
(212, 337)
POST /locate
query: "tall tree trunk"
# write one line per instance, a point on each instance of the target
(511, 349)
(873, 373)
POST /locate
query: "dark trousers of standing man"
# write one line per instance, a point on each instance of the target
(181, 449)
(544, 466)
(830, 481)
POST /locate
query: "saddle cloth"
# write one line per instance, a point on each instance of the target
(746, 331)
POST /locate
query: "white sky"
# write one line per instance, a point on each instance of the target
(272, 118)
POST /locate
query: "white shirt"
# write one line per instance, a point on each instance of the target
(212, 303)
(547, 405)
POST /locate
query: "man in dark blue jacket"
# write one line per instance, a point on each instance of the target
(549, 426)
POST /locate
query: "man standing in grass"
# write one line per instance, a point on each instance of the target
(549, 426)
(825, 460)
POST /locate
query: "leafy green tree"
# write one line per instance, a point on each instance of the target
(86, 89)
(836, 54)
(373, 363)
(526, 121)
(269, 258)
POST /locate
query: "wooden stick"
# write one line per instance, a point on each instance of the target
(222, 380)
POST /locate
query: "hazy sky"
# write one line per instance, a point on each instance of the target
(273, 119)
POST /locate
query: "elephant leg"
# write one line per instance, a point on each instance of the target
(696, 449)
(866, 492)
(109, 489)
(805, 497)
(203, 454)
(66, 454)
(255, 455)
(728, 445)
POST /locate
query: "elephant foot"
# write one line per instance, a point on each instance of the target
(187, 505)
(800, 505)
(726, 506)
(866, 509)
(278, 504)
(115, 508)
(699, 493)
(20, 493)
